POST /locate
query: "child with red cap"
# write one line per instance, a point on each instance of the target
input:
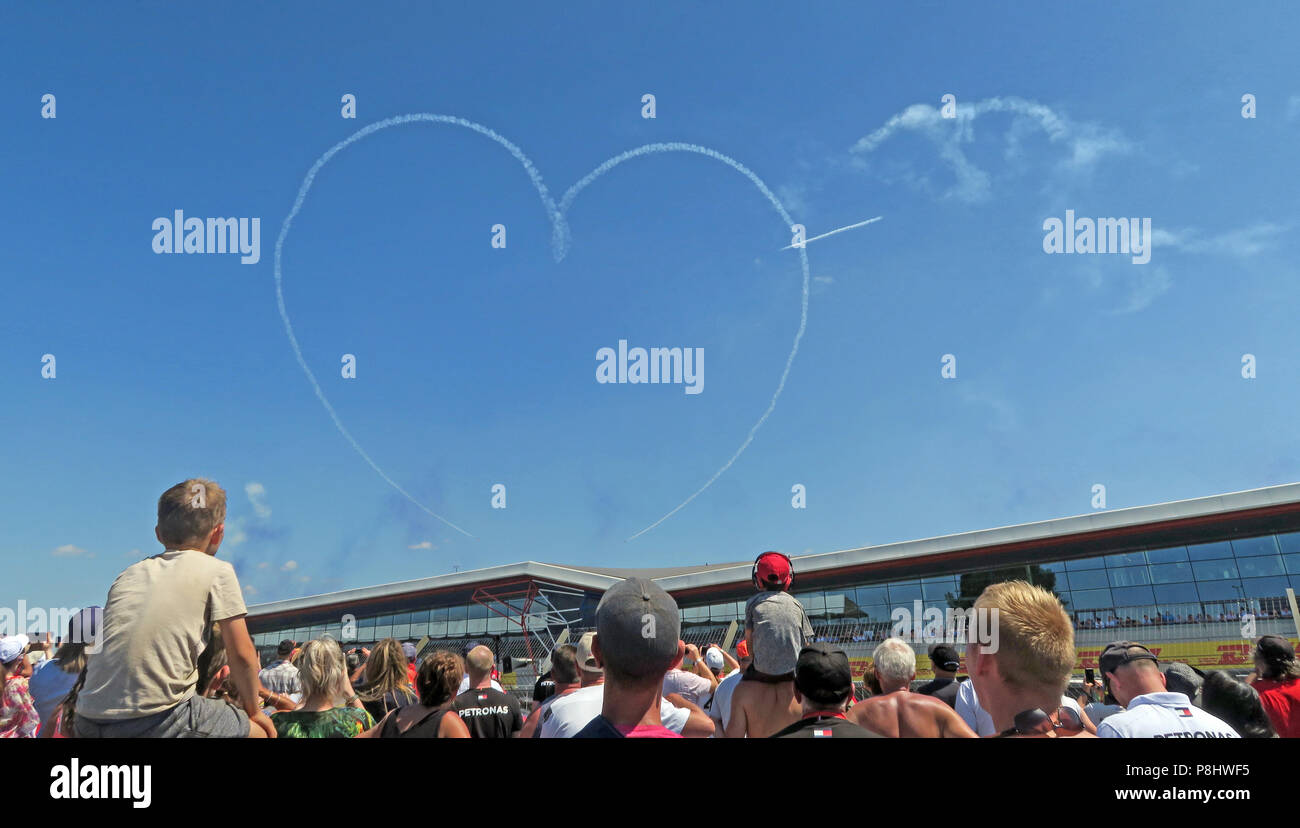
(776, 630)
(776, 626)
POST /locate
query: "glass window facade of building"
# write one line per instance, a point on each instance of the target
(1160, 585)
(1167, 584)
(461, 619)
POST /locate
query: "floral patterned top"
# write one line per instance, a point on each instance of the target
(18, 716)
(339, 722)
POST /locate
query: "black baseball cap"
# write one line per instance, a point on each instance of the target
(286, 647)
(1118, 653)
(945, 657)
(822, 673)
(1275, 650)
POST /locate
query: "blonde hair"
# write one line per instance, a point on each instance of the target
(189, 511)
(321, 667)
(1035, 636)
(386, 673)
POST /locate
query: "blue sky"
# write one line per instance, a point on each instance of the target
(476, 366)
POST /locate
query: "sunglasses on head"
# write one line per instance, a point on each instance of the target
(1037, 723)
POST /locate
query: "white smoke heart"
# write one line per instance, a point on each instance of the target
(560, 240)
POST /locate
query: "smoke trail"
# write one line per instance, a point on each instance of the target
(651, 149)
(560, 239)
(837, 230)
(556, 219)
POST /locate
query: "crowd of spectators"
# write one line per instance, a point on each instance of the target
(169, 654)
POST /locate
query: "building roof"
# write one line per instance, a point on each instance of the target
(654, 574)
(1112, 525)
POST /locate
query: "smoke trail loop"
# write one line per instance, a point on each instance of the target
(560, 242)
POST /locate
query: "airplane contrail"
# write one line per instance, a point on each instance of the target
(833, 232)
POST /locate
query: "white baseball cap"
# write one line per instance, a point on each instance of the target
(713, 658)
(12, 647)
(586, 659)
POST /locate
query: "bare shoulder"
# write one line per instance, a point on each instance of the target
(921, 700)
(741, 694)
(867, 707)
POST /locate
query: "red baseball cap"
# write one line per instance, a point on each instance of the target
(774, 568)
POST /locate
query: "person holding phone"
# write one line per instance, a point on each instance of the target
(1095, 702)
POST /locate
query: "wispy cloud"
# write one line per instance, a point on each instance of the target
(1242, 242)
(422, 545)
(289, 566)
(1146, 285)
(241, 528)
(70, 551)
(1118, 287)
(1083, 144)
(256, 495)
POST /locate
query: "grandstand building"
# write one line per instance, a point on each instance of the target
(1177, 576)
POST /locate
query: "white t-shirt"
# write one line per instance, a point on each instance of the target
(968, 707)
(155, 625)
(690, 686)
(464, 685)
(720, 710)
(571, 713)
(1164, 716)
(1098, 712)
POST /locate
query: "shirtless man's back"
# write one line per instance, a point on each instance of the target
(760, 709)
(910, 716)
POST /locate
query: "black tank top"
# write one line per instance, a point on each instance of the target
(425, 728)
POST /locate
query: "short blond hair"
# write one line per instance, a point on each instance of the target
(189, 511)
(480, 660)
(1035, 636)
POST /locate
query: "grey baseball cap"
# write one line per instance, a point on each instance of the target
(1182, 678)
(639, 629)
